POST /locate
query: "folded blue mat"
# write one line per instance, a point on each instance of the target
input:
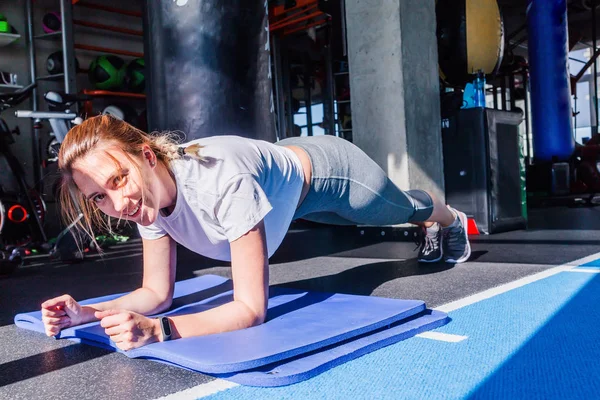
(305, 332)
(306, 366)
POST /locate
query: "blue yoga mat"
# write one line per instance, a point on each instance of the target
(305, 333)
(306, 366)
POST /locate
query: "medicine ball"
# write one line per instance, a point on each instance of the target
(135, 76)
(470, 37)
(5, 26)
(54, 63)
(51, 22)
(107, 72)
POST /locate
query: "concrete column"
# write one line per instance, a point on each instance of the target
(394, 85)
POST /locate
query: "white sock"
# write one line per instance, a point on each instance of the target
(433, 228)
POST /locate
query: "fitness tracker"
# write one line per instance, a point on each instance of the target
(165, 327)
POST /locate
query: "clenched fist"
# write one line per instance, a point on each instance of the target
(61, 312)
(129, 330)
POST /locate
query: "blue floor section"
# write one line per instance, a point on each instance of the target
(539, 341)
(592, 264)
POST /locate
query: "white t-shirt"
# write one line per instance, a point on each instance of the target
(242, 182)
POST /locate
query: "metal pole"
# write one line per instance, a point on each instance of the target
(35, 130)
(526, 111)
(344, 35)
(281, 128)
(31, 48)
(503, 94)
(66, 12)
(511, 85)
(287, 89)
(595, 94)
(593, 110)
(329, 110)
(308, 95)
(495, 91)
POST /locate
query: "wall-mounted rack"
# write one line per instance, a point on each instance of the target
(8, 38)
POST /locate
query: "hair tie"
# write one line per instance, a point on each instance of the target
(181, 151)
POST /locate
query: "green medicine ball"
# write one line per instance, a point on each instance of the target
(107, 72)
(4, 26)
(135, 76)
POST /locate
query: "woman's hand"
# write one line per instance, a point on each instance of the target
(129, 330)
(61, 312)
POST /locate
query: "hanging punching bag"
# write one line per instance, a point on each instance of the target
(470, 39)
(208, 68)
(549, 79)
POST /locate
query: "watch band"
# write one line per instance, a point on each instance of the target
(165, 328)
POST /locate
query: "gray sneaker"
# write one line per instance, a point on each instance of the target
(455, 240)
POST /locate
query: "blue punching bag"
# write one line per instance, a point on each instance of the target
(209, 68)
(550, 86)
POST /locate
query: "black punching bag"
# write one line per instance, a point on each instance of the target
(208, 68)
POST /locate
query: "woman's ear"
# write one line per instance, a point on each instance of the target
(149, 155)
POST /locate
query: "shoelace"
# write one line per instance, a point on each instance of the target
(431, 244)
(418, 239)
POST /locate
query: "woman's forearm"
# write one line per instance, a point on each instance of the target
(142, 301)
(227, 317)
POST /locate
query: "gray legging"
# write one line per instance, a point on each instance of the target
(348, 188)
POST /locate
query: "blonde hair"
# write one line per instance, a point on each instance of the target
(81, 139)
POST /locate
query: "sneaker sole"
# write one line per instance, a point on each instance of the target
(431, 261)
(463, 220)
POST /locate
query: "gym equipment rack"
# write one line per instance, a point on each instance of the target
(69, 47)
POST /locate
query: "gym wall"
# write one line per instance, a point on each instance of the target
(18, 61)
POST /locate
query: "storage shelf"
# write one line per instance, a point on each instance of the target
(92, 26)
(54, 77)
(8, 38)
(49, 36)
(6, 88)
(107, 50)
(95, 6)
(108, 93)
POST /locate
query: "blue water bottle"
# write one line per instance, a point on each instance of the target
(480, 90)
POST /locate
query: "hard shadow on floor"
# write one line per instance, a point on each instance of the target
(364, 279)
(53, 360)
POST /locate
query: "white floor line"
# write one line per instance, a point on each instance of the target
(219, 385)
(586, 270)
(196, 392)
(443, 337)
(486, 294)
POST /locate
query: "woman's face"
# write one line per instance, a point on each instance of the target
(116, 182)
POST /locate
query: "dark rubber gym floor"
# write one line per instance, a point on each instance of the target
(330, 259)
